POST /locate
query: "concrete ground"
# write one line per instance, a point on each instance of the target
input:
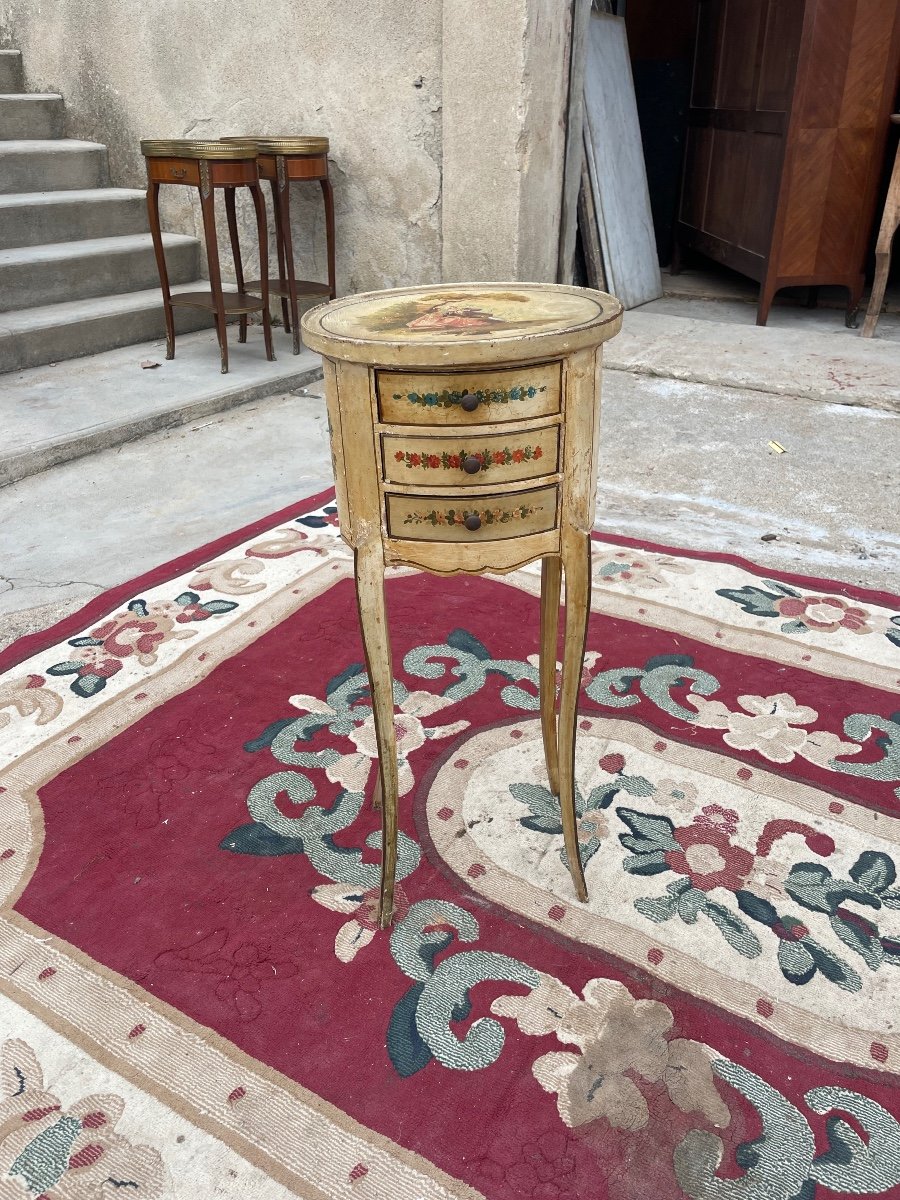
(685, 463)
(66, 410)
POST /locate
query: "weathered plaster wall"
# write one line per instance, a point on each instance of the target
(505, 85)
(446, 117)
(364, 74)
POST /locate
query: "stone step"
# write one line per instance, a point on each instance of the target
(33, 115)
(48, 164)
(32, 276)
(10, 71)
(35, 218)
(33, 337)
(52, 415)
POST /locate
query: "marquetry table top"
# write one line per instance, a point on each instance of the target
(447, 323)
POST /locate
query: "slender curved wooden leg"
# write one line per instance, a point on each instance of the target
(231, 214)
(377, 791)
(576, 563)
(208, 209)
(369, 567)
(328, 196)
(156, 235)
(258, 204)
(873, 312)
(551, 577)
(284, 204)
(279, 246)
(890, 223)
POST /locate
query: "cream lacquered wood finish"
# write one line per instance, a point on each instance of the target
(464, 430)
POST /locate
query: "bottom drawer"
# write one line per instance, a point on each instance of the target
(430, 518)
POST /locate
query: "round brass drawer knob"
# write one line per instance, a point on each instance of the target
(472, 522)
(469, 402)
(471, 464)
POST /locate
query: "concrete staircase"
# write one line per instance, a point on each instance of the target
(77, 270)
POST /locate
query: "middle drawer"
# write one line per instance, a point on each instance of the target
(467, 457)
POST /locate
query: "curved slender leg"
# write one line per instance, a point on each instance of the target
(279, 246)
(890, 223)
(551, 577)
(231, 214)
(377, 792)
(284, 204)
(369, 568)
(208, 209)
(576, 550)
(156, 234)
(258, 204)
(328, 196)
(873, 312)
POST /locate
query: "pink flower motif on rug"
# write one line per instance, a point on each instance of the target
(826, 614)
(708, 859)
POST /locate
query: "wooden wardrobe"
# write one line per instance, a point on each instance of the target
(790, 111)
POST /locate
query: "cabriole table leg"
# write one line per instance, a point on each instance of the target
(369, 570)
(231, 214)
(551, 578)
(284, 206)
(576, 560)
(259, 205)
(158, 250)
(208, 209)
(328, 196)
(279, 247)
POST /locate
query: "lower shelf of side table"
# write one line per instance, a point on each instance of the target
(233, 302)
(281, 287)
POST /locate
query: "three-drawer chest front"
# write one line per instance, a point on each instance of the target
(467, 457)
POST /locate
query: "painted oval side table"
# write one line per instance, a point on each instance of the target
(464, 432)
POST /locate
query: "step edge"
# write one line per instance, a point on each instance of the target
(18, 466)
(16, 256)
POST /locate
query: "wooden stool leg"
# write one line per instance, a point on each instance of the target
(231, 214)
(156, 235)
(258, 204)
(208, 209)
(369, 569)
(284, 204)
(551, 577)
(279, 247)
(576, 551)
(890, 222)
(328, 195)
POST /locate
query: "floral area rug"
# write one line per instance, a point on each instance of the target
(196, 1000)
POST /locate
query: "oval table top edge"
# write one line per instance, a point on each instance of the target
(462, 347)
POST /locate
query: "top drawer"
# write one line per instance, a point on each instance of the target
(427, 398)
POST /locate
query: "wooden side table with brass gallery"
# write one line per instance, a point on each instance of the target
(207, 166)
(464, 430)
(283, 161)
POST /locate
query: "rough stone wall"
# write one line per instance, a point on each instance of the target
(365, 73)
(446, 117)
(505, 83)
